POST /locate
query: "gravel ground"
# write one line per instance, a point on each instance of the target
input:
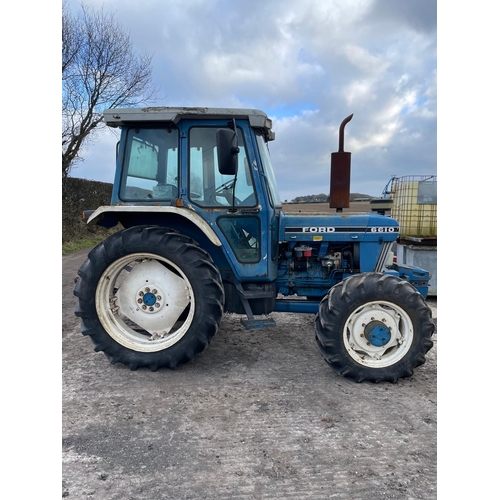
(258, 415)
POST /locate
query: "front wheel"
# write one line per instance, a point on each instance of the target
(374, 327)
(149, 297)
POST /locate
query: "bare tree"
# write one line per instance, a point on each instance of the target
(100, 70)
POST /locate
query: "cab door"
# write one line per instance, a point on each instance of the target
(231, 204)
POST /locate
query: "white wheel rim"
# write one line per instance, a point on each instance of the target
(378, 334)
(139, 300)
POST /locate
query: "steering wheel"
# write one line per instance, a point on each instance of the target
(225, 190)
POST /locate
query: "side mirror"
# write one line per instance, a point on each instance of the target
(227, 151)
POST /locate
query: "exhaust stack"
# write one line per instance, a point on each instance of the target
(340, 173)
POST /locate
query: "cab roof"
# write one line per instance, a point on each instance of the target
(118, 117)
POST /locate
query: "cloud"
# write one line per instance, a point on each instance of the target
(308, 65)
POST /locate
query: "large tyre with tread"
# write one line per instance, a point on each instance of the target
(374, 327)
(149, 297)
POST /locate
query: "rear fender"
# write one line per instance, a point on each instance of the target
(109, 216)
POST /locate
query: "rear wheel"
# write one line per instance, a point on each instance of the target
(374, 327)
(149, 297)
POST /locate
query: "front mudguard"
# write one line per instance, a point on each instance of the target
(417, 276)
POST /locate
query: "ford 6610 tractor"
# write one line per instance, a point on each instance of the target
(204, 234)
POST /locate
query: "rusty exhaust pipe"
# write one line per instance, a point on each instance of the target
(340, 173)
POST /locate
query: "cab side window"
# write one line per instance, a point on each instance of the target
(151, 165)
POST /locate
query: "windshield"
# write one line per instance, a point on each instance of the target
(272, 187)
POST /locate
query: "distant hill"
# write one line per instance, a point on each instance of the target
(322, 198)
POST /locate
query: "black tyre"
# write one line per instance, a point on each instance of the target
(149, 297)
(374, 327)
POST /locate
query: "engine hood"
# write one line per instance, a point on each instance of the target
(360, 227)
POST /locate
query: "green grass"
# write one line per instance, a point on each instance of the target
(88, 240)
(79, 244)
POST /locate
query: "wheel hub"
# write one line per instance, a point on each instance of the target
(377, 333)
(150, 300)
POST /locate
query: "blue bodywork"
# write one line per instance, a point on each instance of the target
(266, 256)
(361, 243)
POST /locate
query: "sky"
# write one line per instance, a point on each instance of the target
(307, 65)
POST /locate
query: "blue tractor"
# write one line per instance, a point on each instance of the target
(204, 233)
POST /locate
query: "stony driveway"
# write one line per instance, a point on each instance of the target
(258, 415)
